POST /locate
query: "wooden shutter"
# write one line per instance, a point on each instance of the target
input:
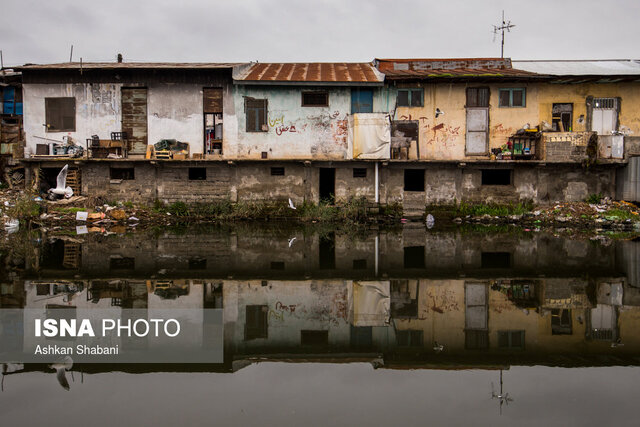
(212, 100)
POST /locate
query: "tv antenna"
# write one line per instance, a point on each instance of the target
(506, 25)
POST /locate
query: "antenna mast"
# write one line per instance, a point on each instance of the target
(506, 25)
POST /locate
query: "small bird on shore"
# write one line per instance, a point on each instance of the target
(291, 205)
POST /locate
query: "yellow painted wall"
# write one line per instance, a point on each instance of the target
(443, 138)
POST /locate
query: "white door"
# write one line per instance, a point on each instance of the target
(477, 131)
(475, 297)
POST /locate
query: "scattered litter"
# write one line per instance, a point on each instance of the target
(38, 199)
(118, 214)
(430, 221)
(81, 229)
(133, 218)
(82, 216)
(96, 215)
(12, 226)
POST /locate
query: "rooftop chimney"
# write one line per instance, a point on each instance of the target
(119, 58)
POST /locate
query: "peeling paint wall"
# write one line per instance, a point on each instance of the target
(443, 138)
(295, 132)
(175, 112)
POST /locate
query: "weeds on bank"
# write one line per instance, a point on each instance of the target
(351, 211)
(493, 209)
(24, 209)
(594, 199)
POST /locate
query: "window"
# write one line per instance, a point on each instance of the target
(410, 97)
(256, 112)
(198, 264)
(495, 260)
(122, 263)
(314, 338)
(511, 339)
(476, 339)
(277, 171)
(315, 99)
(496, 176)
(511, 97)
(562, 117)
(359, 264)
(197, 174)
(414, 257)
(560, 321)
(255, 325)
(414, 180)
(122, 173)
(404, 299)
(410, 338)
(277, 265)
(60, 114)
(477, 97)
(359, 172)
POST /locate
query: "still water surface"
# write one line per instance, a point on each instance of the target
(322, 327)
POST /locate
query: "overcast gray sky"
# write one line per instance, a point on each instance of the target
(313, 30)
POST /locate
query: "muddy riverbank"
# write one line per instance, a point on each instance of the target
(88, 215)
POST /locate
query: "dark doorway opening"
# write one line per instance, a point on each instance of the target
(327, 184)
(327, 252)
(496, 176)
(414, 180)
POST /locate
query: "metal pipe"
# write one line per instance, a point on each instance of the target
(377, 183)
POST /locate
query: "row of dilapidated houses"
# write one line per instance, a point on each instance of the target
(414, 131)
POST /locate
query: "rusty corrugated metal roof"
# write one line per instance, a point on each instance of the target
(126, 65)
(450, 68)
(322, 72)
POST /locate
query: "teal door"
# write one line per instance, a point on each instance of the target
(361, 101)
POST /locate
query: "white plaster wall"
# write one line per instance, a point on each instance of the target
(294, 131)
(293, 306)
(175, 112)
(97, 111)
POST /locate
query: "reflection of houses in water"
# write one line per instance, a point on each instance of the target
(397, 322)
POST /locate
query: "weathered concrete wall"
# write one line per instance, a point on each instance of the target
(98, 111)
(446, 184)
(174, 111)
(97, 182)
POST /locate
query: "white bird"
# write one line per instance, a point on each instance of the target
(61, 367)
(291, 205)
(439, 112)
(293, 239)
(437, 347)
(61, 181)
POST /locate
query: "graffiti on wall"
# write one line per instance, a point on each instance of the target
(441, 134)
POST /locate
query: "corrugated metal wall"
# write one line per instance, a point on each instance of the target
(628, 181)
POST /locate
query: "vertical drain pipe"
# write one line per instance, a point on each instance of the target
(377, 184)
(377, 249)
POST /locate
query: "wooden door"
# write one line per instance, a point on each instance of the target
(134, 118)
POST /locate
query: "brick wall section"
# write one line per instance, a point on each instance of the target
(97, 182)
(174, 184)
(566, 146)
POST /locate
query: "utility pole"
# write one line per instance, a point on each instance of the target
(506, 25)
